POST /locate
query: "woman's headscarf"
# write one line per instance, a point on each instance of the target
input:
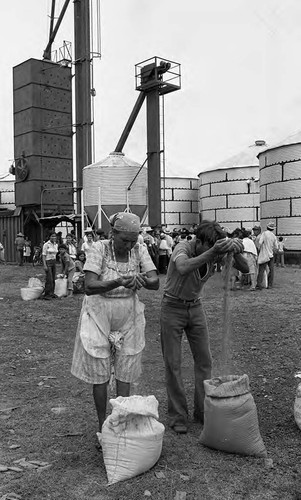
(126, 222)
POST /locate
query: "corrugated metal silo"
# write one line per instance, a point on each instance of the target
(106, 183)
(229, 192)
(280, 189)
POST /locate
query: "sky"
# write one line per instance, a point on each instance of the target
(240, 67)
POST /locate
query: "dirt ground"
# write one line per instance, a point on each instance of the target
(47, 416)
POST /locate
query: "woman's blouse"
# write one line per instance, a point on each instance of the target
(101, 260)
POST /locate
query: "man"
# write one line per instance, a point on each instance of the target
(191, 264)
(68, 267)
(49, 252)
(268, 246)
(256, 236)
(19, 243)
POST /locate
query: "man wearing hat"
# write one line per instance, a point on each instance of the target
(268, 246)
(19, 244)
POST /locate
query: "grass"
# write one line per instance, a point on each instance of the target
(37, 342)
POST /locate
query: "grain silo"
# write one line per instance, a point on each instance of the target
(280, 189)
(229, 192)
(113, 185)
(179, 202)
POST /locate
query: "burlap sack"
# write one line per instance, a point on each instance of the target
(230, 417)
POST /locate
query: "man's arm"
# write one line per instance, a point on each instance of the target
(240, 263)
(186, 265)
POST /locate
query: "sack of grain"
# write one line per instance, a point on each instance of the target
(131, 437)
(230, 417)
(31, 293)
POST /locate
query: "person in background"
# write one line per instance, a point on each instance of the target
(80, 262)
(79, 275)
(250, 254)
(27, 249)
(149, 241)
(49, 253)
(256, 236)
(59, 237)
(191, 265)
(87, 245)
(70, 246)
(100, 235)
(2, 254)
(19, 244)
(112, 318)
(73, 236)
(169, 241)
(280, 253)
(267, 245)
(164, 253)
(68, 268)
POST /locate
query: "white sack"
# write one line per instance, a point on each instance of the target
(132, 437)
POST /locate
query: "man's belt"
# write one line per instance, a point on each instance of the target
(183, 301)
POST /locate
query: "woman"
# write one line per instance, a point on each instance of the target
(68, 267)
(88, 244)
(79, 275)
(250, 254)
(49, 253)
(70, 246)
(27, 249)
(112, 317)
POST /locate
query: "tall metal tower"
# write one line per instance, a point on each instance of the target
(155, 77)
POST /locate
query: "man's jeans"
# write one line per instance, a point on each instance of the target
(177, 317)
(261, 269)
(50, 278)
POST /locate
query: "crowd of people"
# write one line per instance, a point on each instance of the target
(262, 250)
(71, 255)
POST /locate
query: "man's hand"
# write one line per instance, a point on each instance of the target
(223, 246)
(238, 246)
(227, 245)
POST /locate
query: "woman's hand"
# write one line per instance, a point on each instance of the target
(141, 280)
(128, 282)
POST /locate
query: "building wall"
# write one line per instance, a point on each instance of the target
(10, 225)
(280, 192)
(230, 196)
